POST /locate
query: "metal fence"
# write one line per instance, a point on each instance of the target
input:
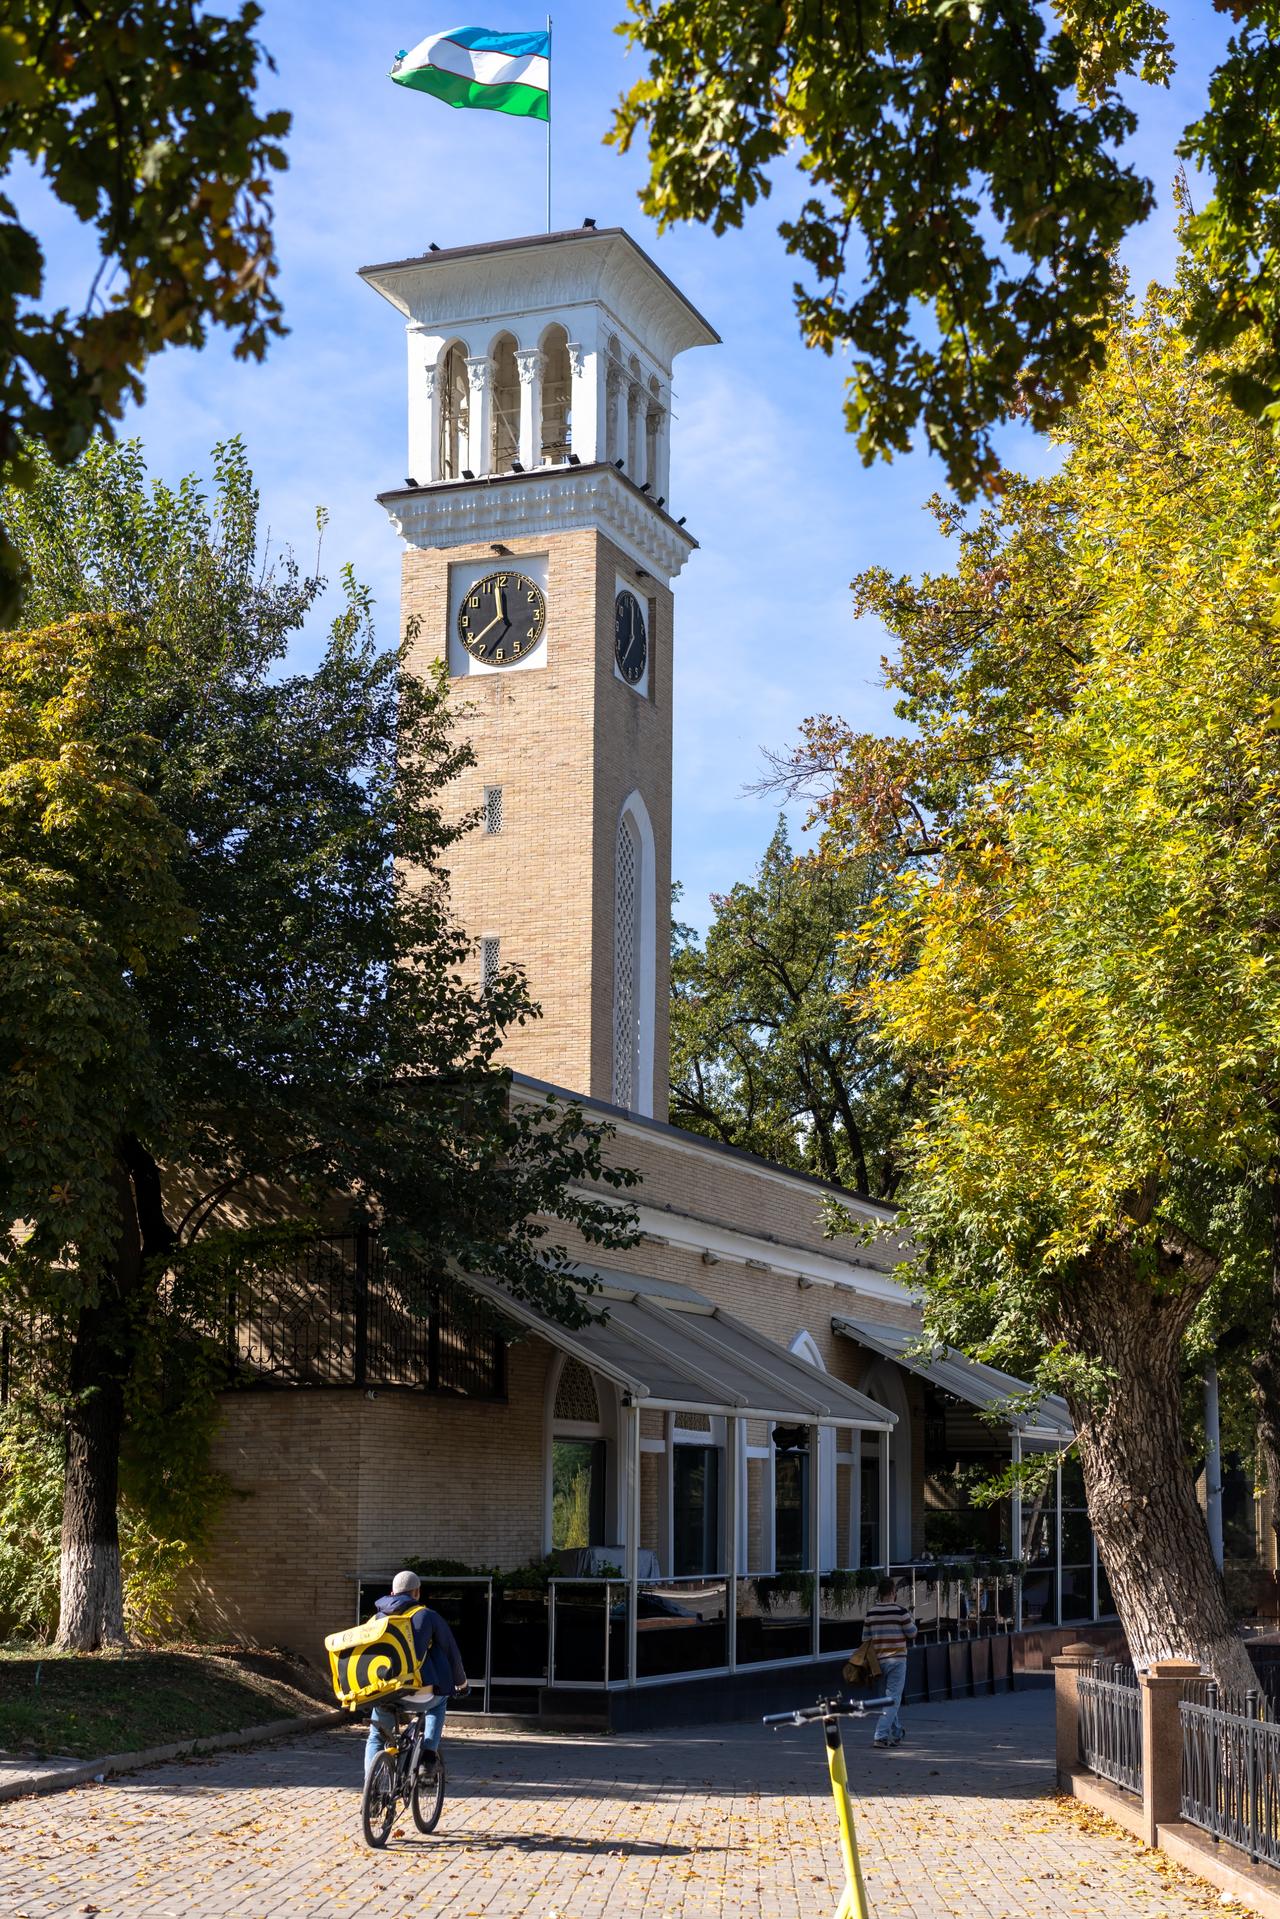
(1110, 1717)
(1231, 1774)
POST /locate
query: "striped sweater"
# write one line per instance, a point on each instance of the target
(889, 1627)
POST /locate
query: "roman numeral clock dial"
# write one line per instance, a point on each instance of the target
(501, 618)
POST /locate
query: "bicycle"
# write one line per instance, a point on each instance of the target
(853, 1902)
(406, 1774)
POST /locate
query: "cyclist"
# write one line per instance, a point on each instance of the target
(440, 1662)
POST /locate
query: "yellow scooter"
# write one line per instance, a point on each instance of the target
(853, 1903)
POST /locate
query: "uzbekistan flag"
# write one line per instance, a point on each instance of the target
(475, 67)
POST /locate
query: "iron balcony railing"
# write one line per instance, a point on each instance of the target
(1231, 1774)
(1110, 1718)
(337, 1310)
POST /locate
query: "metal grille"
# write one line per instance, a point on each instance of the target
(490, 960)
(1111, 1725)
(626, 948)
(576, 1394)
(335, 1312)
(1231, 1775)
(493, 809)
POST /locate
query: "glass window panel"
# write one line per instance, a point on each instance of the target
(577, 1493)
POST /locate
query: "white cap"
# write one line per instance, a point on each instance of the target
(405, 1582)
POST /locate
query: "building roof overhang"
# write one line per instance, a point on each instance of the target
(667, 1347)
(581, 264)
(984, 1387)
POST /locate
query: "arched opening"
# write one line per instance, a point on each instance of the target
(583, 1499)
(505, 426)
(455, 412)
(634, 959)
(557, 395)
(628, 877)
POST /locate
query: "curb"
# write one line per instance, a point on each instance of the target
(91, 1771)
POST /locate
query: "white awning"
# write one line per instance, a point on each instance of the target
(964, 1378)
(667, 1347)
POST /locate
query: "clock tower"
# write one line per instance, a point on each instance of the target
(540, 551)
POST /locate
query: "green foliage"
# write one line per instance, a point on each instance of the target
(142, 122)
(571, 1505)
(763, 1053)
(1077, 960)
(967, 191)
(535, 1577)
(223, 884)
(281, 835)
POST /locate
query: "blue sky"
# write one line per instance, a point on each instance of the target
(771, 485)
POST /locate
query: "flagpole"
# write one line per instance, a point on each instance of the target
(548, 123)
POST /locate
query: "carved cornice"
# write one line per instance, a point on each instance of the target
(534, 280)
(564, 499)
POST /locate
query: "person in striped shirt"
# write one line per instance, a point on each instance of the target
(890, 1628)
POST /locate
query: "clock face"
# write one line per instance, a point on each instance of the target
(501, 618)
(630, 641)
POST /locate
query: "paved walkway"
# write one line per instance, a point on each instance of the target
(687, 1825)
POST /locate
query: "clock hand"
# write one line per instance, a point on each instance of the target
(477, 637)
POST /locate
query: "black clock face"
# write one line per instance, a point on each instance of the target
(501, 618)
(630, 641)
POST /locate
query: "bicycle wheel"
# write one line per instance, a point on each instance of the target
(379, 1801)
(427, 1799)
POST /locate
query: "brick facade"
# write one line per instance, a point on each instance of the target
(567, 743)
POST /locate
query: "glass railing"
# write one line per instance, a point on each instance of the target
(775, 1617)
(587, 1635)
(843, 1601)
(952, 1604)
(682, 1626)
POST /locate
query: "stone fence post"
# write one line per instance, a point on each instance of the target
(1162, 1688)
(1067, 1667)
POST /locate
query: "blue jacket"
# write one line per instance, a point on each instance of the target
(436, 1647)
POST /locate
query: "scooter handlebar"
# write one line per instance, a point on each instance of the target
(826, 1709)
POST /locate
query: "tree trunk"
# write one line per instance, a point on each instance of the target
(1150, 1530)
(92, 1611)
(1266, 1374)
(92, 1592)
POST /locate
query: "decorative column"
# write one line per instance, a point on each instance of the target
(635, 434)
(424, 406)
(585, 413)
(660, 473)
(855, 1499)
(613, 446)
(733, 1534)
(815, 1539)
(529, 365)
(1067, 1668)
(1015, 1526)
(480, 437)
(631, 1538)
(886, 1517)
(1162, 1689)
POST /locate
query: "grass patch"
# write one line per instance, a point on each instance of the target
(88, 1704)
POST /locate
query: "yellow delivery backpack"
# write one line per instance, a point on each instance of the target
(368, 1662)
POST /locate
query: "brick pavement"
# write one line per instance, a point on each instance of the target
(694, 1824)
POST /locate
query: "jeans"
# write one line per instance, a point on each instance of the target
(382, 1728)
(893, 1679)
